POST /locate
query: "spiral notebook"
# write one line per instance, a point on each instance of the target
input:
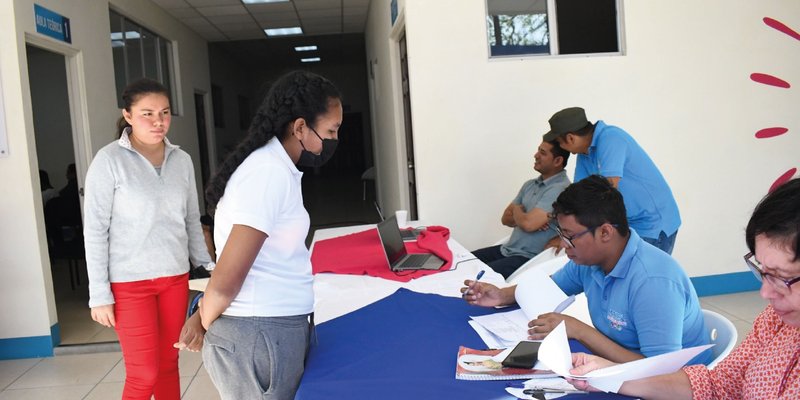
(482, 365)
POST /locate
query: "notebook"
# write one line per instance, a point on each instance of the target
(395, 250)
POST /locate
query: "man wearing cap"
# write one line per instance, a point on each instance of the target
(611, 152)
(528, 212)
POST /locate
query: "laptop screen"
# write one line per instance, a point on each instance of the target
(392, 242)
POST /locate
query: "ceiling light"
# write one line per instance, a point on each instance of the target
(284, 31)
(263, 1)
(305, 48)
(312, 59)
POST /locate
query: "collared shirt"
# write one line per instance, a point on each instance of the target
(139, 223)
(535, 193)
(264, 193)
(757, 368)
(646, 303)
(650, 206)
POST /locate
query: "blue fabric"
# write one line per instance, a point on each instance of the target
(663, 242)
(402, 347)
(649, 203)
(535, 193)
(646, 303)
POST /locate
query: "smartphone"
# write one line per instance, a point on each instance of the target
(523, 356)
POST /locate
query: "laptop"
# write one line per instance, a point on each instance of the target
(408, 235)
(395, 250)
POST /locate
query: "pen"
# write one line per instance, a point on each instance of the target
(564, 304)
(541, 391)
(480, 274)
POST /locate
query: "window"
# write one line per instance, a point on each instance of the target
(139, 53)
(519, 27)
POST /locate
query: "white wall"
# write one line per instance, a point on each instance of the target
(27, 308)
(682, 90)
(387, 117)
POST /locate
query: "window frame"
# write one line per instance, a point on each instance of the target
(166, 76)
(552, 27)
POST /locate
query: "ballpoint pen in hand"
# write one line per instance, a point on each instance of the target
(477, 278)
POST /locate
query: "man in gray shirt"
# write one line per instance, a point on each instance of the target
(528, 212)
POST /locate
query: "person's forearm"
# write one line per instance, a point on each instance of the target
(601, 345)
(668, 387)
(507, 295)
(219, 294)
(530, 221)
(508, 216)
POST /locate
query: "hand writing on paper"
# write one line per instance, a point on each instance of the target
(540, 327)
(585, 363)
(482, 294)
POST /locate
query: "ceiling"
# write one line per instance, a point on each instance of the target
(229, 20)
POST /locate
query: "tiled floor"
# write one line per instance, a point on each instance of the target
(101, 375)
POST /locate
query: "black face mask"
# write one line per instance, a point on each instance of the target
(309, 159)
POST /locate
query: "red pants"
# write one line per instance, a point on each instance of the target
(149, 316)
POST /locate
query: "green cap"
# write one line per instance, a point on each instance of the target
(565, 121)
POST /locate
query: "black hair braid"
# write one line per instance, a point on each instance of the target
(295, 95)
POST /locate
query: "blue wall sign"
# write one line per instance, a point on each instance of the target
(51, 24)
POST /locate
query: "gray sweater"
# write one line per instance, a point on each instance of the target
(139, 224)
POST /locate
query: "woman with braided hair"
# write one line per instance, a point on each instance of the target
(258, 301)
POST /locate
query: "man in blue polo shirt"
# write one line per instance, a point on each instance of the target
(640, 300)
(611, 152)
(528, 213)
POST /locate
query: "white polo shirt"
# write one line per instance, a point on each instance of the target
(264, 193)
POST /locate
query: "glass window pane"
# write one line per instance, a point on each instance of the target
(139, 53)
(133, 50)
(517, 27)
(165, 62)
(118, 51)
(587, 26)
(150, 52)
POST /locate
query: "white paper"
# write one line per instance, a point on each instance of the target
(554, 351)
(555, 354)
(537, 294)
(491, 341)
(509, 327)
(651, 366)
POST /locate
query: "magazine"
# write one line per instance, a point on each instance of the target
(482, 365)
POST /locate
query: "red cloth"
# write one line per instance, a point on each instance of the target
(362, 254)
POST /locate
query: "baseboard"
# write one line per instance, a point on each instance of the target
(30, 347)
(736, 282)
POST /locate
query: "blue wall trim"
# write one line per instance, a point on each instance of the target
(30, 347)
(712, 285)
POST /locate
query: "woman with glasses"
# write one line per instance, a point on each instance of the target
(765, 364)
(641, 302)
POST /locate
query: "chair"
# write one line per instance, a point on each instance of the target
(368, 175)
(65, 237)
(502, 241)
(723, 334)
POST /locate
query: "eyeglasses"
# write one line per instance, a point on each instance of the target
(568, 239)
(780, 285)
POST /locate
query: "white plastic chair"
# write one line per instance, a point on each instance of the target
(723, 334)
(502, 241)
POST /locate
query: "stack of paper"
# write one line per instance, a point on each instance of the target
(536, 294)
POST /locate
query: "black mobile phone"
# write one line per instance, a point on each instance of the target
(523, 356)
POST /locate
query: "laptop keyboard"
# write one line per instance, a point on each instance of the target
(415, 261)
